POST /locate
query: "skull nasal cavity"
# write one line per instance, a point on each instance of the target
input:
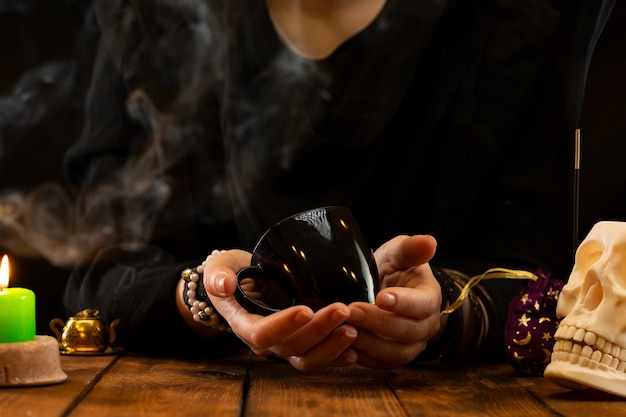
(592, 294)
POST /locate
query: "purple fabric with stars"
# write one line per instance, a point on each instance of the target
(531, 323)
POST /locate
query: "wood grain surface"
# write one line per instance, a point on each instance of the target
(246, 385)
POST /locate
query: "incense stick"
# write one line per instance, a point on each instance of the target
(576, 197)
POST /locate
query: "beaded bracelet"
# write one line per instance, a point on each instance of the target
(198, 300)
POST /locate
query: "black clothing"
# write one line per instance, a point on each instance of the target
(449, 118)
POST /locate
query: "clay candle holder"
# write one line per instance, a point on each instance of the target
(34, 362)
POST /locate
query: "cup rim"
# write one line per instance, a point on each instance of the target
(289, 218)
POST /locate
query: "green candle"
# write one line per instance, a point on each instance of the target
(17, 310)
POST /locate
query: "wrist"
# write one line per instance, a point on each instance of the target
(473, 317)
(446, 341)
(195, 306)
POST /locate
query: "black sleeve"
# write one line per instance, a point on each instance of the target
(138, 288)
(137, 213)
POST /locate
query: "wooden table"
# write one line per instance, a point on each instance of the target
(246, 385)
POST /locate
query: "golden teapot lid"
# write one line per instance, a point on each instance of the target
(88, 313)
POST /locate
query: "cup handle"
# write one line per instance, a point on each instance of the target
(112, 334)
(255, 272)
(53, 326)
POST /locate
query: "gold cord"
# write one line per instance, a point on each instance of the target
(492, 273)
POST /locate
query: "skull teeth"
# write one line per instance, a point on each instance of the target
(584, 348)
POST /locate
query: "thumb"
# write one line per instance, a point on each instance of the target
(407, 251)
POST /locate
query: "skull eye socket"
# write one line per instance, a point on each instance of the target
(588, 254)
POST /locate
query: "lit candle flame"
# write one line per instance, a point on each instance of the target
(4, 272)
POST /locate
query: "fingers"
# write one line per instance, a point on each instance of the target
(387, 339)
(333, 351)
(422, 301)
(404, 252)
(271, 331)
(402, 328)
(319, 328)
(395, 330)
(323, 341)
(274, 329)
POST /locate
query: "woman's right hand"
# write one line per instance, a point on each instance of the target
(307, 340)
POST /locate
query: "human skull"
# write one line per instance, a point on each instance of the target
(590, 342)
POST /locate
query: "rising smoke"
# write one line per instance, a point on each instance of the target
(170, 55)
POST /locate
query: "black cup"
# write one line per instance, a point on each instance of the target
(313, 258)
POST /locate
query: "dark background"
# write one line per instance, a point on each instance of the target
(34, 33)
(603, 123)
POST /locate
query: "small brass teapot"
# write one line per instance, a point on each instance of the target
(85, 334)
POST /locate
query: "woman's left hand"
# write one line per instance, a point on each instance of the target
(395, 330)
(307, 340)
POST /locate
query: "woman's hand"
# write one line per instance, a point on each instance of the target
(307, 340)
(395, 330)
